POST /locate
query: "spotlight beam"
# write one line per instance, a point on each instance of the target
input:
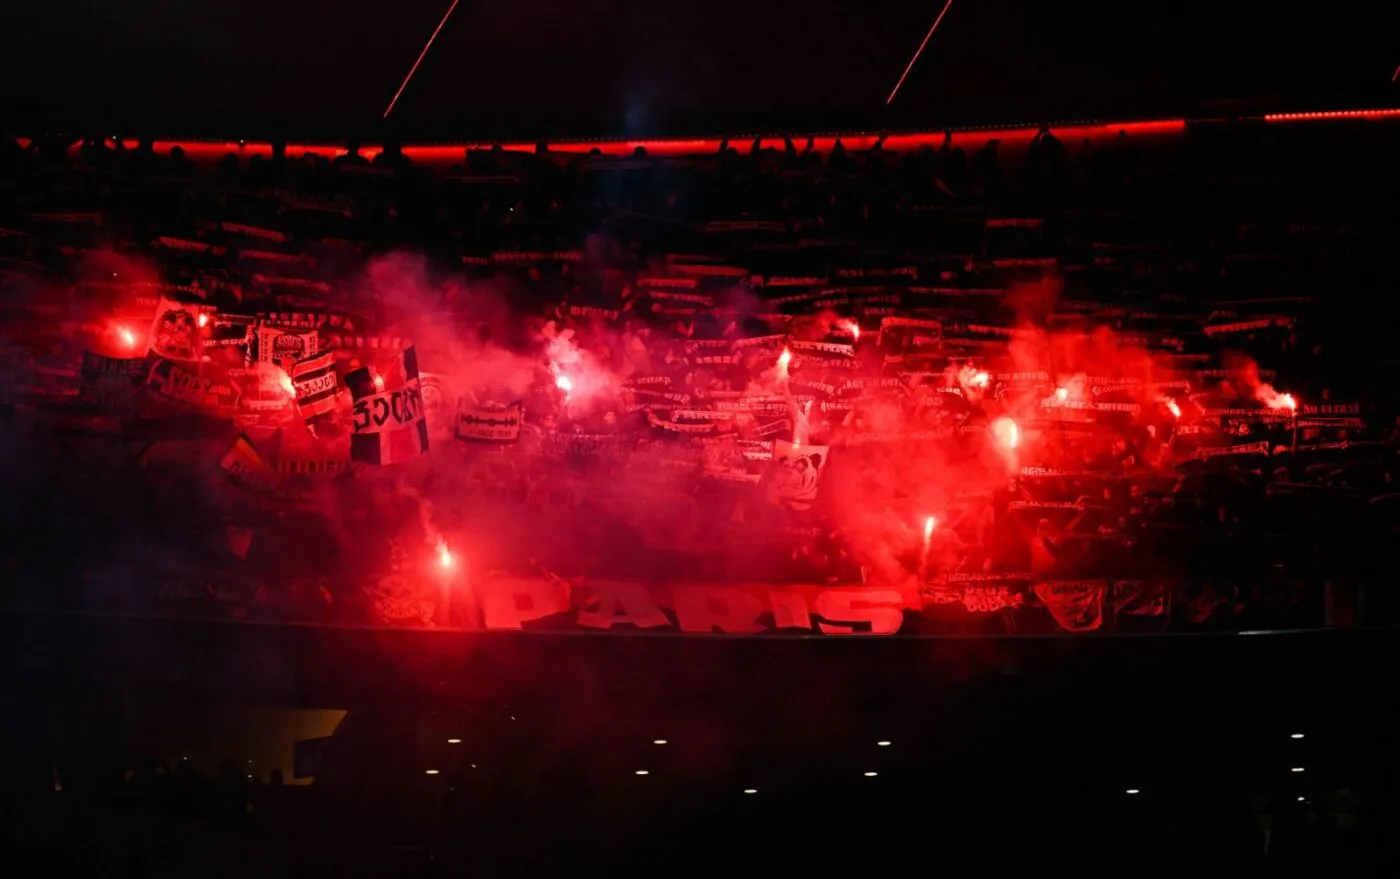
(426, 46)
(917, 53)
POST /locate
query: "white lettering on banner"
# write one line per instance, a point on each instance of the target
(1277, 414)
(1108, 386)
(1333, 409)
(489, 425)
(881, 608)
(636, 605)
(177, 384)
(1259, 448)
(1086, 406)
(774, 341)
(390, 410)
(1331, 422)
(1245, 326)
(692, 345)
(318, 385)
(1021, 376)
(705, 609)
(823, 347)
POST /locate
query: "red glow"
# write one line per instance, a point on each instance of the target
(126, 336)
(445, 558)
(1286, 401)
(1007, 432)
(564, 383)
(1332, 114)
(929, 524)
(448, 154)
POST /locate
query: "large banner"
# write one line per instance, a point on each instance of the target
(736, 609)
(389, 426)
(480, 424)
(110, 384)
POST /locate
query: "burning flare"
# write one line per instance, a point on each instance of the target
(203, 319)
(286, 382)
(851, 328)
(929, 524)
(1274, 400)
(1172, 407)
(1006, 432)
(445, 559)
(563, 383)
(127, 337)
(783, 360)
(970, 377)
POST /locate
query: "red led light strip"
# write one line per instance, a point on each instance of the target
(446, 154)
(1332, 114)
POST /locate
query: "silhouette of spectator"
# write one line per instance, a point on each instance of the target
(393, 158)
(178, 163)
(351, 158)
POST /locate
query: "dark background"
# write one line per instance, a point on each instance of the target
(265, 67)
(1004, 751)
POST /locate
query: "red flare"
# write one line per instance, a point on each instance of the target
(1006, 432)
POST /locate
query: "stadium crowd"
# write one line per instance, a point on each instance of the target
(1072, 386)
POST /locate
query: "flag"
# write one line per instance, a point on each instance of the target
(243, 463)
(176, 332)
(1140, 597)
(315, 384)
(1076, 605)
(487, 425)
(794, 475)
(388, 426)
(109, 384)
(440, 419)
(174, 383)
(284, 346)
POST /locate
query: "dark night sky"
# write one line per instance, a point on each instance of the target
(636, 67)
